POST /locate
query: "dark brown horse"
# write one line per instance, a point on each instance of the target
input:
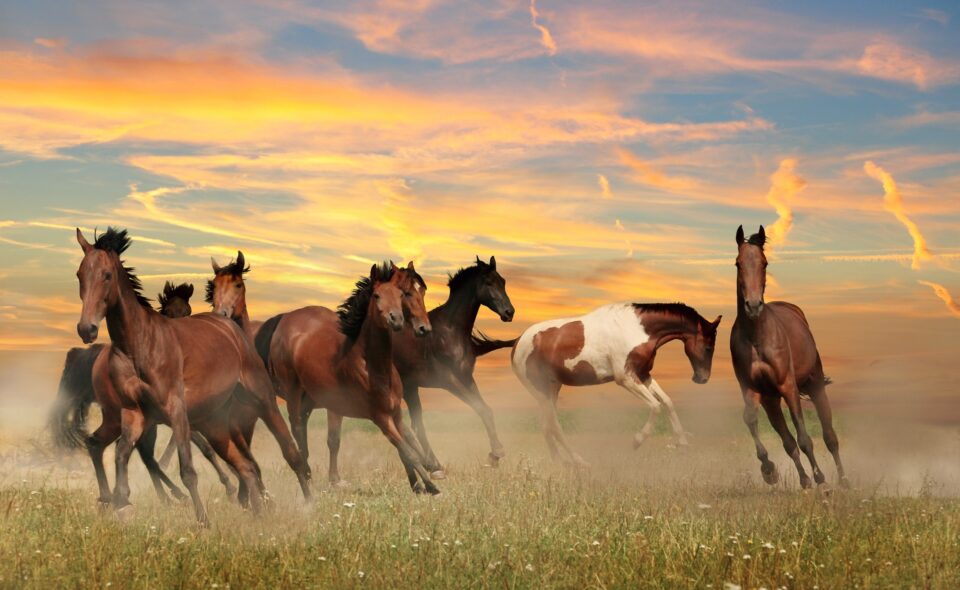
(344, 362)
(446, 358)
(77, 392)
(184, 373)
(618, 343)
(774, 358)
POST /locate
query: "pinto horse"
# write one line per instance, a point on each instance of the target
(446, 358)
(619, 343)
(775, 357)
(184, 373)
(77, 392)
(343, 362)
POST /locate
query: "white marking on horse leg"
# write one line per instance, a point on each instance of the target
(674, 419)
(642, 392)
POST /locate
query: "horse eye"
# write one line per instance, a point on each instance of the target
(376, 296)
(238, 285)
(107, 276)
(407, 294)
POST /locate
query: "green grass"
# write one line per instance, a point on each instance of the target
(656, 518)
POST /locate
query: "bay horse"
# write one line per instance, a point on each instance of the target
(181, 372)
(616, 342)
(775, 358)
(446, 358)
(343, 362)
(76, 394)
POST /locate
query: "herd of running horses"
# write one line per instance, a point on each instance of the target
(211, 376)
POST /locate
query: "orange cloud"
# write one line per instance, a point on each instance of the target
(945, 296)
(893, 202)
(650, 175)
(604, 186)
(893, 62)
(785, 183)
(546, 39)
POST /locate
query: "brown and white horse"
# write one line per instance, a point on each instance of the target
(775, 358)
(616, 342)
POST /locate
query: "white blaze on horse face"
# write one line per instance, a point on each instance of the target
(610, 333)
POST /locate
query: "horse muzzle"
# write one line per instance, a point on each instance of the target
(700, 379)
(87, 332)
(507, 314)
(422, 330)
(753, 309)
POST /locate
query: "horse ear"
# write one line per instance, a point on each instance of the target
(393, 267)
(241, 263)
(716, 322)
(189, 291)
(216, 267)
(478, 260)
(374, 273)
(84, 244)
(493, 262)
(410, 266)
(740, 236)
(763, 236)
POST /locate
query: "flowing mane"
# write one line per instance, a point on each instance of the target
(233, 269)
(464, 275)
(170, 291)
(353, 311)
(680, 309)
(117, 241)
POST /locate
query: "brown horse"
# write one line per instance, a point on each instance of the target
(619, 343)
(343, 362)
(182, 373)
(775, 357)
(447, 357)
(77, 392)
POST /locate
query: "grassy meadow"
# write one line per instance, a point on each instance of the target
(659, 517)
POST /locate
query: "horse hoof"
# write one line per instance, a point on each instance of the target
(340, 484)
(417, 488)
(770, 476)
(806, 483)
(125, 513)
(637, 441)
(845, 483)
(438, 474)
(823, 488)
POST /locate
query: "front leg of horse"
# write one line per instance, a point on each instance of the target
(334, 425)
(132, 425)
(177, 416)
(98, 441)
(639, 390)
(411, 395)
(479, 405)
(678, 429)
(792, 396)
(146, 447)
(299, 414)
(411, 462)
(751, 417)
(210, 455)
(822, 403)
(771, 404)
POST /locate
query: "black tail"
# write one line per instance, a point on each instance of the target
(265, 337)
(68, 417)
(482, 345)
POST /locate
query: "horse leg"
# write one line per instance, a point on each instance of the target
(388, 425)
(334, 423)
(101, 438)
(168, 453)
(771, 404)
(146, 447)
(642, 392)
(132, 425)
(751, 417)
(180, 424)
(542, 394)
(792, 396)
(299, 414)
(207, 451)
(411, 395)
(672, 412)
(824, 412)
(552, 423)
(470, 393)
(225, 446)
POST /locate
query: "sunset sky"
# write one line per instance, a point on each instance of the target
(602, 151)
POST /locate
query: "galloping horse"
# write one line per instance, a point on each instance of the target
(344, 362)
(617, 343)
(775, 357)
(182, 373)
(446, 358)
(77, 392)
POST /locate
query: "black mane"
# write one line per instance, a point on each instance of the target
(681, 309)
(464, 275)
(170, 291)
(232, 269)
(757, 240)
(117, 241)
(353, 311)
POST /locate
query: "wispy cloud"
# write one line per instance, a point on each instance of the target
(604, 186)
(785, 184)
(546, 39)
(945, 296)
(893, 202)
(648, 174)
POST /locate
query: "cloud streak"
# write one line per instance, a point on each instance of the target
(893, 202)
(948, 300)
(546, 38)
(785, 184)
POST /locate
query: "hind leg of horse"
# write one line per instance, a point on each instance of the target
(132, 425)
(168, 452)
(101, 438)
(388, 425)
(771, 405)
(792, 396)
(207, 451)
(751, 417)
(644, 393)
(470, 393)
(671, 411)
(824, 412)
(334, 424)
(180, 424)
(146, 447)
(298, 411)
(411, 395)
(223, 442)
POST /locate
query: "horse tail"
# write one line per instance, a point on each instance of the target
(482, 345)
(265, 337)
(68, 417)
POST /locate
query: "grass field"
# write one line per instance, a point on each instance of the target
(660, 517)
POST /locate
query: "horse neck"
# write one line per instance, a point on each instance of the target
(128, 321)
(376, 343)
(748, 325)
(240, 314)
(666, 328)
(461, 308)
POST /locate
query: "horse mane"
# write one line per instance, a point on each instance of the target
(681, 309)
(232, 269)
(170, 291)
(757, 240)
(117, 241)
(353, 311)
(464, 275)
